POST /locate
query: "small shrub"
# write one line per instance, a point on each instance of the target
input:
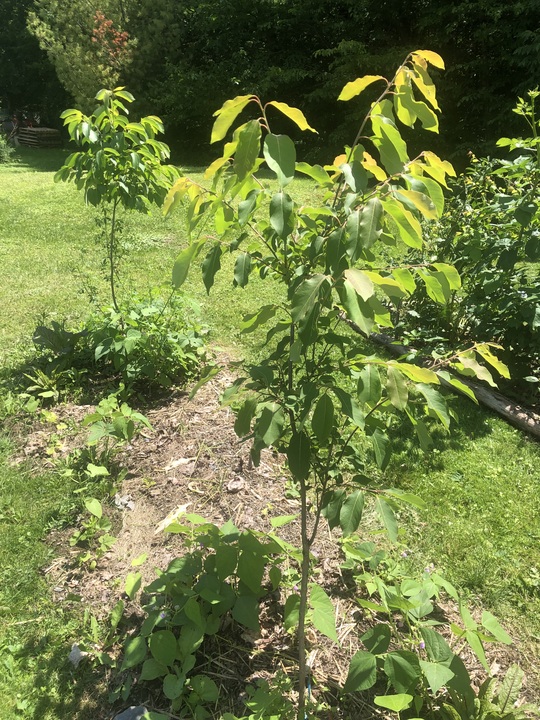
(6, 151)
(153, 341)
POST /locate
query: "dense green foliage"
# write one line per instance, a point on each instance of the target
(491, 232)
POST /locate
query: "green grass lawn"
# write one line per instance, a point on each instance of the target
(481, 482)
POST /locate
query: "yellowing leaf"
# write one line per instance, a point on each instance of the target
(355, 87)
(297, 116)
(431, 57)
(421, 202)
(360, 282)
(370, 164)
(418, 374)
(227, 114)
(425, 84)
(485, 352)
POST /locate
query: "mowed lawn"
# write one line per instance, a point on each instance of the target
(481, 483)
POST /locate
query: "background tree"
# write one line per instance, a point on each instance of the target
(85, 41)
(27, 78)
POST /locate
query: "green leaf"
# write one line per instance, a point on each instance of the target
(299, 455)
(476, 645)
(396, 703)
(227, 114)
(388, 518)
(270, 424)
(408, 227)
(244, 416)
(362, 673)
(363, 228)
(437, 649)
(469, 362)
(381, 447)
(305, 297)
(397, 388)
(281, 520)
(436, 674)
(250, 569)
(435, 402)
(322, 421)
(254, 320)
(182, 263)
(247, 150)
(94, 507)
(331, 506)
(281, 214)
(205, 687)
(242, 269)
(316, 172)
(361, 282)
(418, 374)
(350, 407)
(280, 156)
(434, 288)
(421, 202)
(351, 513)
(323, 615)
(246, 611)
(297, 116)
(133, 584)
(162, 646)
(402, 668)
(509, 689)
(134, 652)
(369, 385)
(152, 669)
(247, 206)
(377, 639)
(355, 87)
(493, 626)
(390, 144)
(208, 372)
(173, 686)
(211, 265)
(357, 310)
(484, 351)
(291, 611)
(408, 498)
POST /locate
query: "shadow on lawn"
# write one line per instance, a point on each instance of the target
(78, 692)
(41, 159)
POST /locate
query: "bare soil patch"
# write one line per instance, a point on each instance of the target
(193, 458)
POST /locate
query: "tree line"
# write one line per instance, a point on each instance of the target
(182, 58)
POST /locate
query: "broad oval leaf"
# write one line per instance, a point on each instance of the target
(299, 455)
(322, 421)
(402, 668)
(163, 647)
(396, 703)
(134, 652)
(227, 114)
(351, 513)
(323, 615)
(281, 214)
(280, 156)
(242, 269)
(247, 150)
(362, 673)
(306, 296)
(397, 388)
(436, 674)
(182, 264)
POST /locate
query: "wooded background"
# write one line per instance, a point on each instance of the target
(182, 58)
